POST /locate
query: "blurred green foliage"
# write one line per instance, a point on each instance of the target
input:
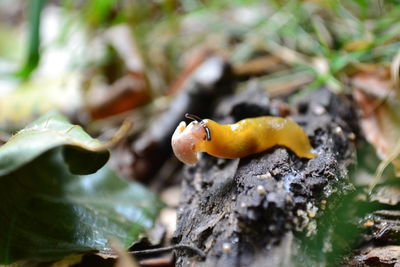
(341, 32)
(49, 212)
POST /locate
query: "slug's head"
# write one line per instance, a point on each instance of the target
(185, 139)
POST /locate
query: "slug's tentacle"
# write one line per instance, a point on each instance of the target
(193, 117)
(244, 138)
(208, 133)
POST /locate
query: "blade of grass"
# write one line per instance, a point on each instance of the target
(382, 166)
(33, 55)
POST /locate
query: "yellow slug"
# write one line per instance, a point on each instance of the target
(241, 139)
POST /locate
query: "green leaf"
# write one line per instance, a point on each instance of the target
(50, 131)
(48, 213)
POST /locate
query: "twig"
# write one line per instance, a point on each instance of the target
(169, 248)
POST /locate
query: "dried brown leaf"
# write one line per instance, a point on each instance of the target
(380, 121)
(127, 93)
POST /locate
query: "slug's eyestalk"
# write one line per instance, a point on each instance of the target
(193, 117)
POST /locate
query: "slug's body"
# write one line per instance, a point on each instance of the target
(244, 138)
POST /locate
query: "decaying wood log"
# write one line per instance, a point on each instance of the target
(249, 211)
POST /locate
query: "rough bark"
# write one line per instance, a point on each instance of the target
(250, 211)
